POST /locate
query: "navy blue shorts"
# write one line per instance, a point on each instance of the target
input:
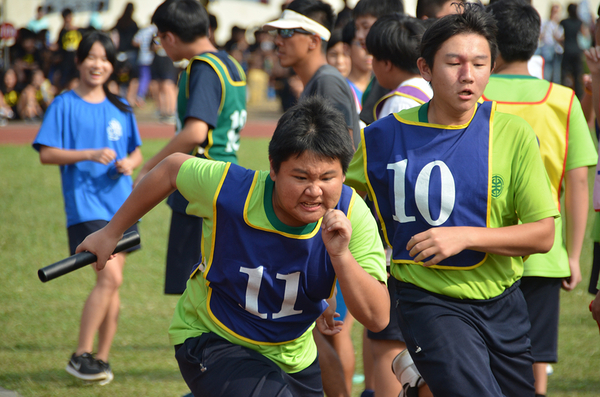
(183, 251)
(468, 347)
(213, 366)
(392, 331)
(542, 295)
(78, 233)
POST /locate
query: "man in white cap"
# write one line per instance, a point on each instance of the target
(302, 34)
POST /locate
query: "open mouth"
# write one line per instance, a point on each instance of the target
(311, 206)
(466, 93)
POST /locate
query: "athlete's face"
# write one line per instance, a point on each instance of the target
(305, 188)
(293, 50)
(363, 25)
(95, 69)
(460, 72)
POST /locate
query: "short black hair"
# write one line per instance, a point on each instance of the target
(518, 29)
(349, 32)
(572, 10)
(472, 19)
(316, 10)
(336, 37)
(377, 8)
(396, 38)
(66, 11)
(430, 8)
(187, 19)
(313, 125)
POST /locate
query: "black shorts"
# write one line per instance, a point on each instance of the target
(542, 295)
(392, 331)
(213, 366)
(468, 347)
(162, 68)
(183, 252)
(78, 233)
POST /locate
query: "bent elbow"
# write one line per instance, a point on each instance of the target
(547, 244)
(379, 323)
(547, 241)
(44, 158)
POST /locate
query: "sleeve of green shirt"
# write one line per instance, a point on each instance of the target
(581, 150)
(198, 181)
(365, 243)
(355, 176)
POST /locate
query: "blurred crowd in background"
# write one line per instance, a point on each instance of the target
(38, 68)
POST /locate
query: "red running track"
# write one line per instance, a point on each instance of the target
(18, 133)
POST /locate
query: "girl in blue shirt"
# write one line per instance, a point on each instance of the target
(93, 136)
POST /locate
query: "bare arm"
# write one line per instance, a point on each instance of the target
(52, 155)
(576, 212)
(193, 134)
(515, 240)
(366, 298)
(150, 191)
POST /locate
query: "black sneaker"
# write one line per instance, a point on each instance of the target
(108, 371)
(86, 367)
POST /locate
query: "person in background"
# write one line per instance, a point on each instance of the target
(572, 64)
(338, 53)
(143, 40)
(67, 44)
(361, 64)
(551, 49)
(40, 22)
(127, 69)
(365, 14)
(567, 150)
(96, 21)
(92, 135)
(427, 9)
(211, 111)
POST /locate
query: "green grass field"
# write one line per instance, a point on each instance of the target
(39, 322)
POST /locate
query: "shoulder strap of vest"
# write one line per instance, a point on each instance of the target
(406, 91)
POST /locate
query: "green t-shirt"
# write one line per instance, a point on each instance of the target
(530, 98)
(524, 193)
(199, 180)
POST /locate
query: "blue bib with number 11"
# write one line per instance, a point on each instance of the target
(426, 175)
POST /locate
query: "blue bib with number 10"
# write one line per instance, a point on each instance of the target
(427, 175)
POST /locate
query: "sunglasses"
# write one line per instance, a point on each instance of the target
(287, 33)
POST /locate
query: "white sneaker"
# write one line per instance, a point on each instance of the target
(407, 374)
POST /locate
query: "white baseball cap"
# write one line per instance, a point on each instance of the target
(293, 20)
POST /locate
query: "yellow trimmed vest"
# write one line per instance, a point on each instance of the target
(224, 140)
(423, 175)
(551, 117)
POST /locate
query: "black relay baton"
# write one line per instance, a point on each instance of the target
(82, 259)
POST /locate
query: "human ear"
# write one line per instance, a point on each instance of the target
(314, 41)
(424, 69)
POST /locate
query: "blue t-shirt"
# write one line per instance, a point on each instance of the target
(91, 191)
